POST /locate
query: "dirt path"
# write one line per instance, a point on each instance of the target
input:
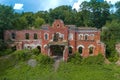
(57, 59)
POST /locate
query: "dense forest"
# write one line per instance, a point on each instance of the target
(90, 14)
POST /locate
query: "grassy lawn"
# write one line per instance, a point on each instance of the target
(66, 71)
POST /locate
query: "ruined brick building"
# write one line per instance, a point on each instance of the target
(58, 39)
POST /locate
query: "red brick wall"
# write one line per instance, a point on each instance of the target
(58, 26)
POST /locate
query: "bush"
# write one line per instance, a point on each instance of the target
(21, 55)
(99, 59)
(5, 52)
(36, 51)
(114, 56)
(75, 58)
(44, 59)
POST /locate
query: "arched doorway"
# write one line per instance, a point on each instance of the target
(70, 50)
(91, 50)
(39, 48)
(80, 50)
(57, 50)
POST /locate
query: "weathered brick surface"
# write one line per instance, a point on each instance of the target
(92, 40)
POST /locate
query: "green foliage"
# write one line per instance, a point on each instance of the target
(113, 56)
(44, 59)
(21, 55)
(117, 13)
(110, 36)
(3, 45)
(99, 59)
(39, 22)
(35, 51)
(6, 52)
(95, 13)
(6, 17)
(66, 71)
(6, 62)
(75, 58)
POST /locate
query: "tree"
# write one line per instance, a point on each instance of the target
(117, 13)
(20, 23)
(98, 12)
(65, 13)
(110, 36)
(44, 15)
(39, 22)
(6, 18)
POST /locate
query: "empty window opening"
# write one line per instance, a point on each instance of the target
(80, 50)
(35, 36)
(70, 50)
(91, 50)
(13, 35)
(27, 36)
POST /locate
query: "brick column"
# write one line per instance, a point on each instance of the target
(65, 53)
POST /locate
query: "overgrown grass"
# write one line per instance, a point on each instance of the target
(88, 69)
(66, 71)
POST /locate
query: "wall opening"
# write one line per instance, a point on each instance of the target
(39, 48)
(57, 50)
(80, 50)
(70, 50)
(91, 50)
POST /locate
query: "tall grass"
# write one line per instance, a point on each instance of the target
(88, 69)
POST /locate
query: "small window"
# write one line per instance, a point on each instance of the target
(13, 35)
(58, 25)
(35, 36)
(46, 36)
(27, 36)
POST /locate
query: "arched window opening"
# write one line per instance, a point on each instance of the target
(27, 36)
(35, 36)
(56, 37)
(80, 50)
(91, 50)
(70, 50)
(81, 37)
(46, 36)
(86, 37)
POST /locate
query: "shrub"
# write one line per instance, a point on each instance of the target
(75, 58)
(114, 56)
(36, 51)
(44, 59)
(5, 52)
(99, 59)
(21, 55)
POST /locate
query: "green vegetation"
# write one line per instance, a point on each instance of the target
(88, 69)
(16, 68)
(91, 60)
(44, 60)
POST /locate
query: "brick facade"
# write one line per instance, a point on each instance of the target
(72, 39)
